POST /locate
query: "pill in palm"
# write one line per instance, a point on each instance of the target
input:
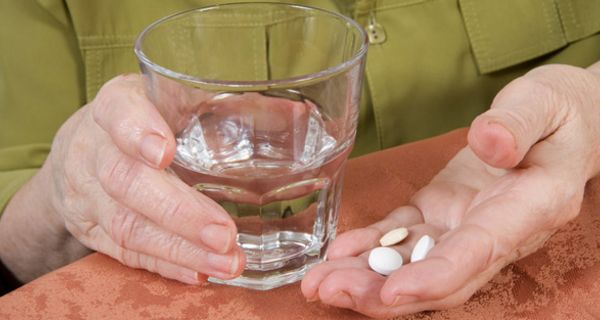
(385, 260)
(393, 237)
(422, 248)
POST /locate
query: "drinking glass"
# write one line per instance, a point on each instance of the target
(263, 100)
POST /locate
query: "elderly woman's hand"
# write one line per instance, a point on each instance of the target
(521, 177)
(104, 182)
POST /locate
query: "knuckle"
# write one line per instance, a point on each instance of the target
(568, 87)
(540, 104)
(555, 72)
(136, 94)
(171, 208)
(111, 109)
(536, 86)
(121, 81)
(524, 120)
(128, 77)
(126, 86)
(175, 249)
(120, 175)
(149, 263)
(530, 87)
(123, 227)
(119, 253)
(101, 104)
(131, 258)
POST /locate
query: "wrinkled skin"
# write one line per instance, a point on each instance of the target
(115, 200)
(103, 186)
(521, 177)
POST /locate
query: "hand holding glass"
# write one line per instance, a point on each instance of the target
(263, 99)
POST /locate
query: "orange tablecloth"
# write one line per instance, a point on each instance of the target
(560, 281)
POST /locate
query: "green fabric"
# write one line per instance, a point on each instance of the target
(425, 78)
(520, 40)
(106, 31)
(256, 43)
(441, 64)
(579, 18)
(41, 85)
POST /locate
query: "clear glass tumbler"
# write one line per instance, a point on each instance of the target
(263, 100)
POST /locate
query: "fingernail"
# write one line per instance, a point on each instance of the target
(343, 300)
(153, 149)
(234, 264)
(190, 278)
(224, 264)
(400, 300)
(313, 299)
(217, 237)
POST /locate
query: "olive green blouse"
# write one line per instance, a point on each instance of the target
(432, 66)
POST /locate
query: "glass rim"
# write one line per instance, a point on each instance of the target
(291, 81)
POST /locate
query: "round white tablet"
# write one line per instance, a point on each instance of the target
(422, 248)
(385, 260)
(393, 237)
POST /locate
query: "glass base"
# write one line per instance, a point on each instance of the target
(267, 280)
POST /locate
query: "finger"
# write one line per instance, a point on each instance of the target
(318, 273)
(133, 123)
(355, 289)
(358, 289)
(412, 304)
(488, 235)
(101, 242)
(448, 267)
(350, 284)
(347, 245)
(133, 232)
(527, 110)
(165, 200)
(315, 276)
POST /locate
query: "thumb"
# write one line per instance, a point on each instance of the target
(524, 112)
(122, 110)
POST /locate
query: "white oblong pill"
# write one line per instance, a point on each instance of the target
(385, 260)
(422, 248)
(393, 237)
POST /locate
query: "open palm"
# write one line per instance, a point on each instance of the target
(520, 179)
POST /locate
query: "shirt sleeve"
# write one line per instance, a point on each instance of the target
(41, 81)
